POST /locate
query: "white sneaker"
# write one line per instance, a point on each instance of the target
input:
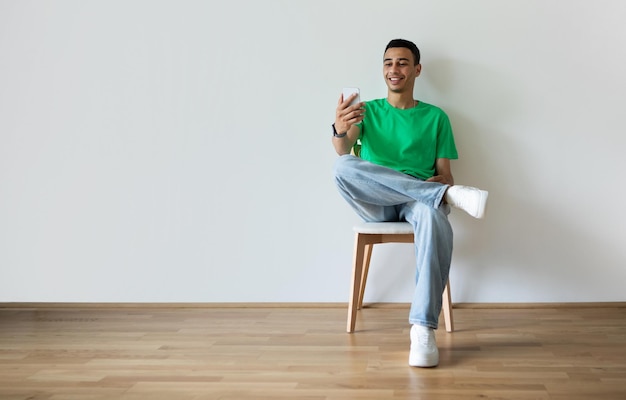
(469, 199)
(424, 352)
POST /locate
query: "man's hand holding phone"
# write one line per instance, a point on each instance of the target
(349, 110)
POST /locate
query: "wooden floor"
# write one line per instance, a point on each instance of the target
(304, 353)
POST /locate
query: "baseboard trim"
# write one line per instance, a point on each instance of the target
(172, 305)
(183, 305)
(603, 304)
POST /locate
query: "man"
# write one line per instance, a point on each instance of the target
(404, 173)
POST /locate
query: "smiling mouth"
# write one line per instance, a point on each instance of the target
(394, 80)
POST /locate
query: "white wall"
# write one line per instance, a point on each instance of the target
(179, 151)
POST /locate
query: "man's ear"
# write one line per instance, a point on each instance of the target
(418, 70)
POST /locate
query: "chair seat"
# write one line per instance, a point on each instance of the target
(387, 228)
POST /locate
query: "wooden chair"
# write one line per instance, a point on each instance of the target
(367, 235)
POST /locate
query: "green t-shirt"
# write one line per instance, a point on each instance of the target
(409, 141)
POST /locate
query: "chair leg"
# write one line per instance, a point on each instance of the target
(367, 257)
(447, 308)
(357, 273)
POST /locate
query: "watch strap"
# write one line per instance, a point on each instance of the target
(338, 135)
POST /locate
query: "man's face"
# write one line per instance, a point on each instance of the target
(399, 69)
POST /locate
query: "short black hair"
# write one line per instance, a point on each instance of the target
(406, 44)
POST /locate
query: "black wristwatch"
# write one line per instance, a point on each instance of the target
(338, 135)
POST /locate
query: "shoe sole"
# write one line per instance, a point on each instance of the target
(482, 204)
(425, 362)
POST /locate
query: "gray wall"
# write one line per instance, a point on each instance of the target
(167, 151)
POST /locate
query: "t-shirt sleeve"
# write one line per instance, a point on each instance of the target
(446, 147)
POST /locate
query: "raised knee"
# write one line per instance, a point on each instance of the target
(341, 163)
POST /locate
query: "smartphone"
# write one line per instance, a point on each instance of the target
(348, 91)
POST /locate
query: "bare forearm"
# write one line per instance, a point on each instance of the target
(443, 172)
(344, 145)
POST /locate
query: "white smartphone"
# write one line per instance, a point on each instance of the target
(349, 91)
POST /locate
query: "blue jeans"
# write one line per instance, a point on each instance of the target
(380, 194)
